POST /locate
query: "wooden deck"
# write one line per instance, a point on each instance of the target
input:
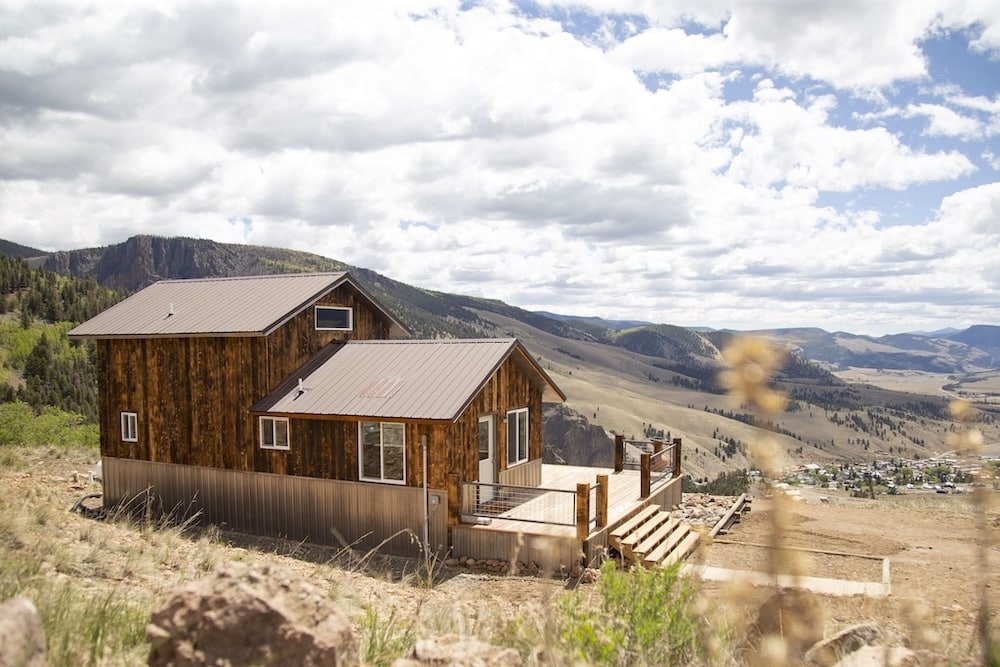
(623, 500)
(554, 546)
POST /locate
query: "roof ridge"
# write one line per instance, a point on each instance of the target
(261, 276)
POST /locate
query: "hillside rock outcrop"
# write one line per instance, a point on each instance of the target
(572, 440)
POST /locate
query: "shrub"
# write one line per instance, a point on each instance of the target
(644, 618)
(19, 425)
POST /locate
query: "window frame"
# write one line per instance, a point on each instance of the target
(514, 419)
(347, 309)
(382, 479)
(130, 426)
(274, 421)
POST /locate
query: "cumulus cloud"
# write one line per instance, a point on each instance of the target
(691, 162)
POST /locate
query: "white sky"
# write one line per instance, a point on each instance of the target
(730, 164)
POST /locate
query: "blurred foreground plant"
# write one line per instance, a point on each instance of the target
(968, 442)
(750, 366)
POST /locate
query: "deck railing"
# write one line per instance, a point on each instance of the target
(583, 507)
(655, 459)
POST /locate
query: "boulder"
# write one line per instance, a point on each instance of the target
(250, 614)
(456, 651)
(22, 637)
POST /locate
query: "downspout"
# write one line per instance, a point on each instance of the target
(427, 519)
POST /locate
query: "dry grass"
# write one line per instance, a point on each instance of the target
(97, 582)
(114, 573)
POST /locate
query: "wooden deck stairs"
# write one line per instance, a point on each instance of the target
(652, 537)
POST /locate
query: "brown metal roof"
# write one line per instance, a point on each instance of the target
(248, 305)
(400, 379)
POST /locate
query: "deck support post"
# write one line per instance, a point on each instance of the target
(677, 457)
(602, 501)
(644, 476)
(582, 510)
(619, 453)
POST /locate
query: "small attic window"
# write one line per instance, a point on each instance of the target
(333, 318)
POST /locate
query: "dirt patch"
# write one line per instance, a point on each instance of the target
(931, 542)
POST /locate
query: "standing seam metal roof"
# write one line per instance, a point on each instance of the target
(414, 379)
(248, 305)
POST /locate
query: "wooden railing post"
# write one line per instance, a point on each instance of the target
(644, 476)
(677, 457)
(619, 453)
(659, 463)
(582, 510)
(602, 501)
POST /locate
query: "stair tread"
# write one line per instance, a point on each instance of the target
(641, 532)
(684, 548)
(668, 545)
(658, 536)
(630, 524)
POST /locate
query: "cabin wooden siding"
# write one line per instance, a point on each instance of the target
(510, 388)
(192, 395)
(296, 341)
(327, 447)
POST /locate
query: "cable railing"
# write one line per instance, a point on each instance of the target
(520, 503)
(584, 508)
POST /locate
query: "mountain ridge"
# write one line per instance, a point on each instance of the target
(144, 259)
(630, 380)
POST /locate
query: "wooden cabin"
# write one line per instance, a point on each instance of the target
(294, 406)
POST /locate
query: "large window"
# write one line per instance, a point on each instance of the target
(273, 433)
(517, 436)
(382, 455)
(130, 427)
(332, 318)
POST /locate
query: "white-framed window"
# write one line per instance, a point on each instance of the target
(274, 433)
(382, 452)
(334, 318)
(130, 427)
(517, 436)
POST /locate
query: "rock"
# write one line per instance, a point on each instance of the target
(881, 656)
(828, 652)
(794, 615)
(456, 651)
(247, 614)
(22, 637)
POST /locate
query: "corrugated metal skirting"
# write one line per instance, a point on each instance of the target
(328, 512)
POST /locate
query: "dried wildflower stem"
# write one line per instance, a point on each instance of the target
(969, 441)
(751, 363)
